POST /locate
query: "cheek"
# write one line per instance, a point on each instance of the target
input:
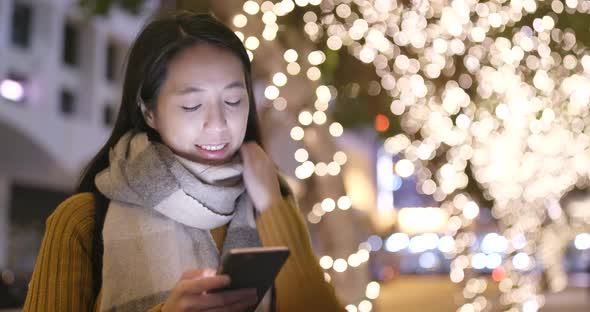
(238, 124)
(178, 133)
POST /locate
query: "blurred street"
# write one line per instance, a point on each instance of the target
(437, 293)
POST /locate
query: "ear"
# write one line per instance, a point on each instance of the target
(148, 116)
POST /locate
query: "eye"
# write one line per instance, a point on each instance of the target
(191, 108)
(236, 103)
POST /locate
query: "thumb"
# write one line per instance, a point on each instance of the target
(197, 273)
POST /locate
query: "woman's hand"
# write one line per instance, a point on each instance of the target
(260, 176)
(190, 294)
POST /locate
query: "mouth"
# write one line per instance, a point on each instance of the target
(212, 147)
(212, 151)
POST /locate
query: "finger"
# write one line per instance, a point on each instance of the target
(200, 285)
(254, 152)
(244, 152)
(247, 145)
(236, 307)
(232, 301)
(220, 300)
(256, 147)
(197, 273)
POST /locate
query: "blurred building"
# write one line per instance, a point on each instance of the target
(59, 93)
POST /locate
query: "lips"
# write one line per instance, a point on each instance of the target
(213, 147)
(212, 151)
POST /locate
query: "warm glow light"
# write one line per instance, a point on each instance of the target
(293, 69)
(323, 93)
(305, 170)
(498, 274)
(252, 43)
(269, 34)
(305, 118)
(301, 155)
(334, 43)
(336, 129)
(279, 79)
(381, 123)
(404, 168)
(271, 92)
(290, 56)
(344, 203)
(326, 262)
(351, 308)
(422, 220)
(279, 104)
(240, 35)
(316, 58)
(582, 241)
(314, 73)
(269, 17)
(240, 20)
(319, 117)
(340, 158)
(340, 265)
(297, 133)
(12, 90)
(328, 205)
(365, 306)
(372, 291)
(251, 7)
(471, 210)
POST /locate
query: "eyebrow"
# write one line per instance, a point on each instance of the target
(193, 89)
(235, 84)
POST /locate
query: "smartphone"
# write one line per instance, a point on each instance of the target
(253, 268)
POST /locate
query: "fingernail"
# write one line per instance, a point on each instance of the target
(227, 278)
(209, 272)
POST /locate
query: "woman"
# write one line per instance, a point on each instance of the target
(177, 184)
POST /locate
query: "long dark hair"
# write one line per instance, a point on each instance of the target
(151, 53)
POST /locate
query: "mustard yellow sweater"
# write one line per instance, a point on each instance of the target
(62, 280)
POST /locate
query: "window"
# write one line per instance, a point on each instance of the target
(71, 45)
(111, 70)
(67, 102)
(108, 115)
(114, 60)
(21, 25)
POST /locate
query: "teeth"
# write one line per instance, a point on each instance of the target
(212, 147)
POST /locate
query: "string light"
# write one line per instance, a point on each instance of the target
(240, 20)
(514, 80)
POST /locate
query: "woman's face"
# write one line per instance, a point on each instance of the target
(202, 109)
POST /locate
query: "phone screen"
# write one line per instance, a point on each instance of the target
(253, 267)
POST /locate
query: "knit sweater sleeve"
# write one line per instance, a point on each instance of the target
(62, 279)
(300, 284)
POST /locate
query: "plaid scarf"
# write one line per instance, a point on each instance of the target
(159, 219)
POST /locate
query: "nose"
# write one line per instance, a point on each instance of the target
(215, 119)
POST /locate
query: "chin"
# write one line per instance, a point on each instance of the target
(213, 161)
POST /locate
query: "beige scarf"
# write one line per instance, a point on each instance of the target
(159, 219)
